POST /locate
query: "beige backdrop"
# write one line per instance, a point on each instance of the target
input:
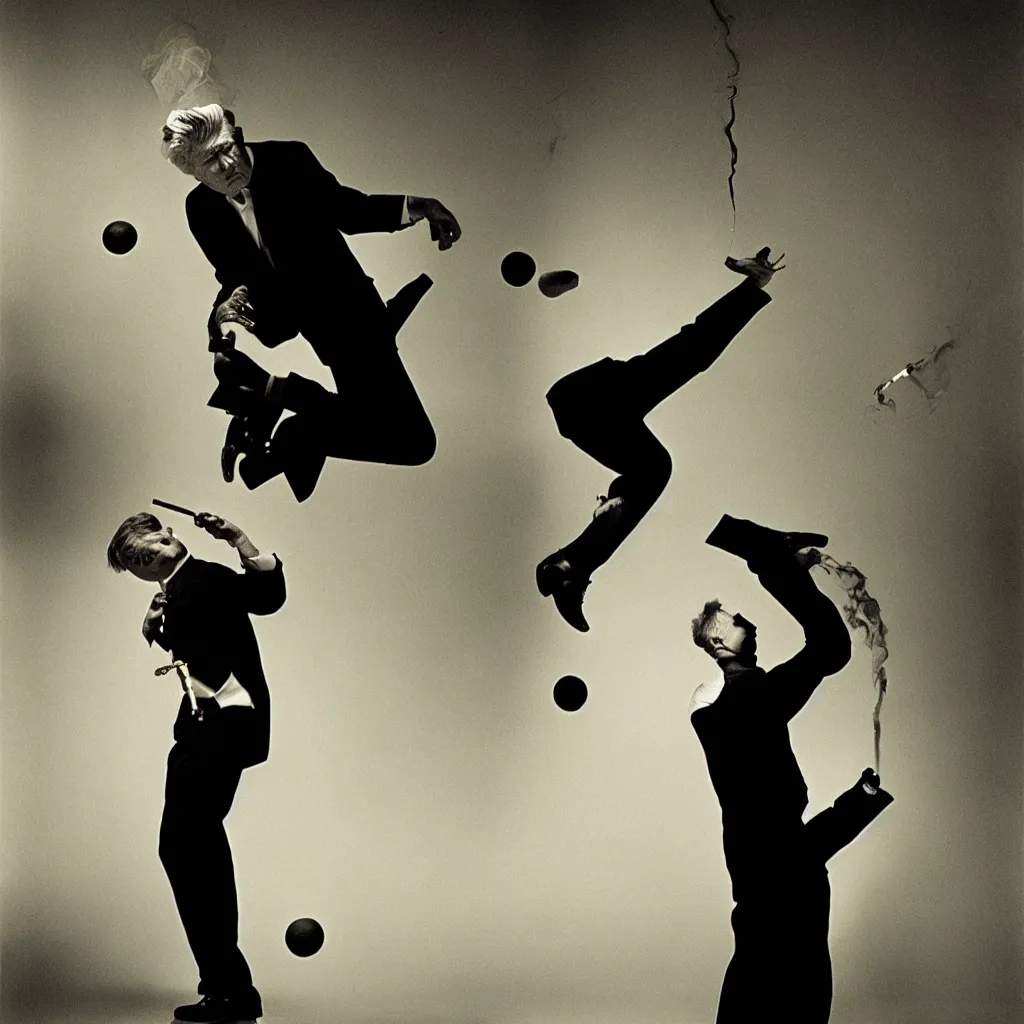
(473, 852)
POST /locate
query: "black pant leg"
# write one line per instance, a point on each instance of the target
(658, 373)
(376, 414)
(781, 968)
(200, 787)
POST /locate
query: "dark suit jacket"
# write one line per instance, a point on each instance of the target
(206, 624)
(302, 213)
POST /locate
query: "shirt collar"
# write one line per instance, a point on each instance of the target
(174, 571)
(246, 194)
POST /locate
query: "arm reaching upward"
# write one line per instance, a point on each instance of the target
(826, 639)
(262, 585)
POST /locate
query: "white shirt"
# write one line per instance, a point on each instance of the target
(243, 206)
(706, 694)
(232, 693)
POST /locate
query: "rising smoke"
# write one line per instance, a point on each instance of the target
(863, 613)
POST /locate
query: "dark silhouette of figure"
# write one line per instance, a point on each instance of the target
(271, 220)
(781, 968)
(601, 409)
(201, 616)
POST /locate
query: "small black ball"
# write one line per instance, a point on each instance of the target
(304, 936)
(518, 268)
(120, 237)
(570, 693)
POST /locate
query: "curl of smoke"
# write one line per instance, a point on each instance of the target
(930, 374)
(181, 71)
(863, 613)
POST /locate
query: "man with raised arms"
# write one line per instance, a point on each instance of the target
(200, 614)
(781, 968)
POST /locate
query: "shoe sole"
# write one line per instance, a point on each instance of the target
(228, 454)
(545, 589)
(219, 1020)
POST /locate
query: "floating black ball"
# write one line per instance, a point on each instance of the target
(518, 268)
(304, 936)
(570, 693)
(119, 237)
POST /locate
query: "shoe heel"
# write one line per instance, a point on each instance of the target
(544, 585)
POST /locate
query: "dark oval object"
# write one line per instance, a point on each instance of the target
(518, 268)
(304, 936)
(570, 693)
(120, 237)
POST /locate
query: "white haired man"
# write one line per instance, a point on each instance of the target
(271, 220)
(781, 968)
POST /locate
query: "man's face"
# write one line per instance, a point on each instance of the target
(733, 636)
(153, 555)
(223, 165)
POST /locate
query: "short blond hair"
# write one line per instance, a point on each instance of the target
(187, 133)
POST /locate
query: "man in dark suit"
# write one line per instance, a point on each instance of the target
(271, 220)
(201, 616)
(781, 968)
(601, 408)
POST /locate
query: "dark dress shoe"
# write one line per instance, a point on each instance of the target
(405, 300)
(751, 541)
(234, 367)
(256, 469)
(237, 400)
(247, 435)
(557, 579)
(293, 450)
(220, 1010)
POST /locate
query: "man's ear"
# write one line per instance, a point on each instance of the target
(239, 137)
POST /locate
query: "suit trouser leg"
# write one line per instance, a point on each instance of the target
(644, 467)
(194, 849)
(781, 968)
(601, 409)
(660, 372)
(375, 415)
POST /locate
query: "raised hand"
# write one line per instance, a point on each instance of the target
(218, 527)
(444, 228)
(235, 309)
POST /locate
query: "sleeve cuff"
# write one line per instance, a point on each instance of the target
(406, 218)
(261, 563)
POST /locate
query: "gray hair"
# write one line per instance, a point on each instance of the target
(187, 133)
(701, 626)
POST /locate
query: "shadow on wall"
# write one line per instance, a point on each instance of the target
(482, 609)
(52, 444)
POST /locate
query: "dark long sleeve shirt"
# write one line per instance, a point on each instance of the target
(745, 735)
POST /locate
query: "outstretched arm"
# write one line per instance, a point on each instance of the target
(351, 211)
(262, 585)
(355, 212)
(826, 639)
